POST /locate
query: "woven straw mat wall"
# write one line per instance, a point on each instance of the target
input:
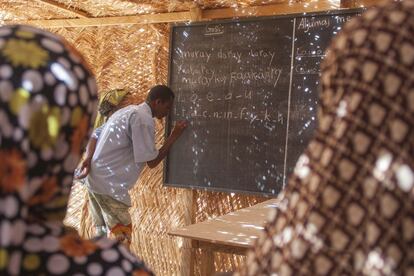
(136, 58)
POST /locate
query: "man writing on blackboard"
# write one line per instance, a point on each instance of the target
(125, 144)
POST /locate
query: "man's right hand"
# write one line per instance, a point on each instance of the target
(179, 128)
(162, 152)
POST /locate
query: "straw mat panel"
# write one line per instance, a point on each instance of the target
(136, 58)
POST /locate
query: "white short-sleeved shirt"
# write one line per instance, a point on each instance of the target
(126, 142)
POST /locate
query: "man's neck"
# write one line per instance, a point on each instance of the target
(149, 104)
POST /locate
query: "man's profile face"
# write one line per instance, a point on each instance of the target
(162, 108)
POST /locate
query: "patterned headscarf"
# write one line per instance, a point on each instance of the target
(349, 207)
(47, 105)
(108, 103)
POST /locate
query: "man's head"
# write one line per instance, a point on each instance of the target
(160, 98)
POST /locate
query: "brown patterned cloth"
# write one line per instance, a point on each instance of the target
(349, 207)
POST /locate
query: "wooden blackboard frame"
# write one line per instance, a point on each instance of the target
(168, 123)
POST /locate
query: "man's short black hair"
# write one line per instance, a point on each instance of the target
(162, 92)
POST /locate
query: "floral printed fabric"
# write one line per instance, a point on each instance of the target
(349, 207)
(47, 105)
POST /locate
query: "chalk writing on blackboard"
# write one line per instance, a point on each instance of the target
(215, 29)
(249, 89)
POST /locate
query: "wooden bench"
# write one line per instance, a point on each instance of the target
(232, 233)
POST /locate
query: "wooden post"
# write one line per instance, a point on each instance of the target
(196, 14)
(207, 262)
(194, 244)
(189, 246)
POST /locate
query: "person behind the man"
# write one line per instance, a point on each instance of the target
(109, 103)
(125, 144)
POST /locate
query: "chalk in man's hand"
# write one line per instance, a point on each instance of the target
(77, 172)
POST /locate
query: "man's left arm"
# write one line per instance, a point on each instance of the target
(85, 165)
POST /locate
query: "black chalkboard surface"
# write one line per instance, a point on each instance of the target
(248, 89)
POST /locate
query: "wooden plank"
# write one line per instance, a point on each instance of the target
(238, 229)
(223, 248)
(62, 7)
(368, 3)
(108, 21)
(194, 14)
(274, 9)
(232, 233)
(350, 4)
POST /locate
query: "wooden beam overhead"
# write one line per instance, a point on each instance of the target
(194, 14)
(268, 10)
(60, 6)
(108, 21)
(348, 3)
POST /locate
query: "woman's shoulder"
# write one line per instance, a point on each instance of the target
(64, 252)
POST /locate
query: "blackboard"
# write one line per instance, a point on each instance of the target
(249, 90)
